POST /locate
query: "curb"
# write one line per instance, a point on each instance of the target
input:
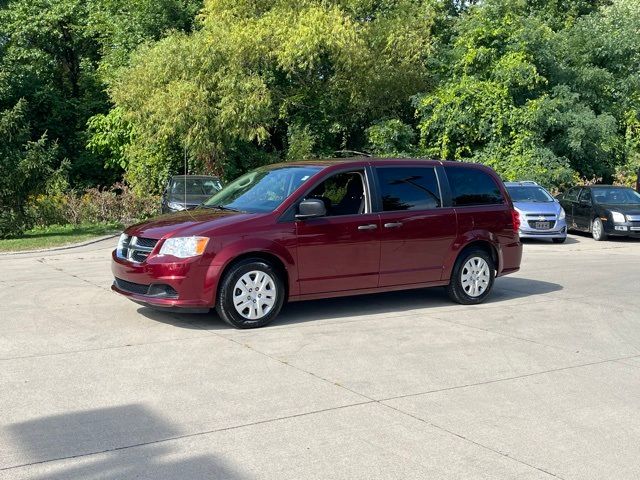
(63, 247)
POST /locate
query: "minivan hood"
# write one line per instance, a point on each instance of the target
(185, 222)
(537, 207)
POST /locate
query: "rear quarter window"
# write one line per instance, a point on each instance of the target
(471, 186)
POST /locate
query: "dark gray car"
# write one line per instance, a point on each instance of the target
(184, 192)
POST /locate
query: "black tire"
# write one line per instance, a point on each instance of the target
(597, 230)
(456, 290)
(224, 305)
(559, 240)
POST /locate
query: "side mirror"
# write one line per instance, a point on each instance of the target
(311, 208)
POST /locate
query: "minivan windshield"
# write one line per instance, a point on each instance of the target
(194, 186)
(261, 190)
(529, 194)
(616, 196)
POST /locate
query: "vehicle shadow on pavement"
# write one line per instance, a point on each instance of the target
(192, 321)
(506, 288)
(539, 241)
(108, 443)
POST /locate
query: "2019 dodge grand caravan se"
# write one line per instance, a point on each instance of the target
(325, 228)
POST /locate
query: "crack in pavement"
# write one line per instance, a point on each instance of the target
(42, 261)
(478, 444)
(380, 402)
(98, 349)
(514, 377)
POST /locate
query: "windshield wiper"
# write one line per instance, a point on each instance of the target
(221, 207)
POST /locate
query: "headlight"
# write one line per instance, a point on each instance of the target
(175, 206)
(618, 217)
(562, 214)
(121, 241)
(184, 247)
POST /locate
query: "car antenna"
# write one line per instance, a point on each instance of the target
(185, 175)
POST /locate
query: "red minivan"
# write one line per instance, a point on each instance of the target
(324, 228)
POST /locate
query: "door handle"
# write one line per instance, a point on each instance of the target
(393, 225)
(371, 226)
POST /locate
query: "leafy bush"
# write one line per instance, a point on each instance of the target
(117, 203)
(25, 164)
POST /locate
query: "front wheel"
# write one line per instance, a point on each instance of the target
(472, 277)
(597, 230)
(251, 294)
(559, 240)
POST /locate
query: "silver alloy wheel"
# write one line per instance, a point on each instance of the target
(475, 276)
(254, 295)
(596, 228)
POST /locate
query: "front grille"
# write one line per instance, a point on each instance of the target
(137, 249)
(131, 287)
(633, 218)
(138, 256)
(533, 224)
(546, 216)
(534, 218)
(146, 242)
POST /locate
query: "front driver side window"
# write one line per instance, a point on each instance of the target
(342, 193)
(585, 196)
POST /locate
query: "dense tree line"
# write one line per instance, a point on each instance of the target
(93, 90)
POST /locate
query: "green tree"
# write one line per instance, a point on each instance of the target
(272, 79)
(56, 55)
(524, 95)
(25, 166)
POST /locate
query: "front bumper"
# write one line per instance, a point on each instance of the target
(627, 229)
(185, 285)
(558, 231)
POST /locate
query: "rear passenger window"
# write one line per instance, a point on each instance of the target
(470, 186)
(408, 188)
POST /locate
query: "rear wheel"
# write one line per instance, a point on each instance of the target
(597, 230)
(251, 294)
(472, 277)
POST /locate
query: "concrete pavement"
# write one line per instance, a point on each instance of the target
(541, 381)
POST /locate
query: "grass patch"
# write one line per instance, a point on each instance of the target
(57, 236)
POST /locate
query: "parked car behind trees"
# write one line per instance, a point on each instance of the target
(184, 192)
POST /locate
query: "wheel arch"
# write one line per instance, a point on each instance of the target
(481, 243)
(485, 245)
(269, 257)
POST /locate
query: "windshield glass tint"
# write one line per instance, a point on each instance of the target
(261, 190)
(195, 186)
(529, 194)
(616, 196)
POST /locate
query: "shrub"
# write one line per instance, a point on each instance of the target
(117, 203)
